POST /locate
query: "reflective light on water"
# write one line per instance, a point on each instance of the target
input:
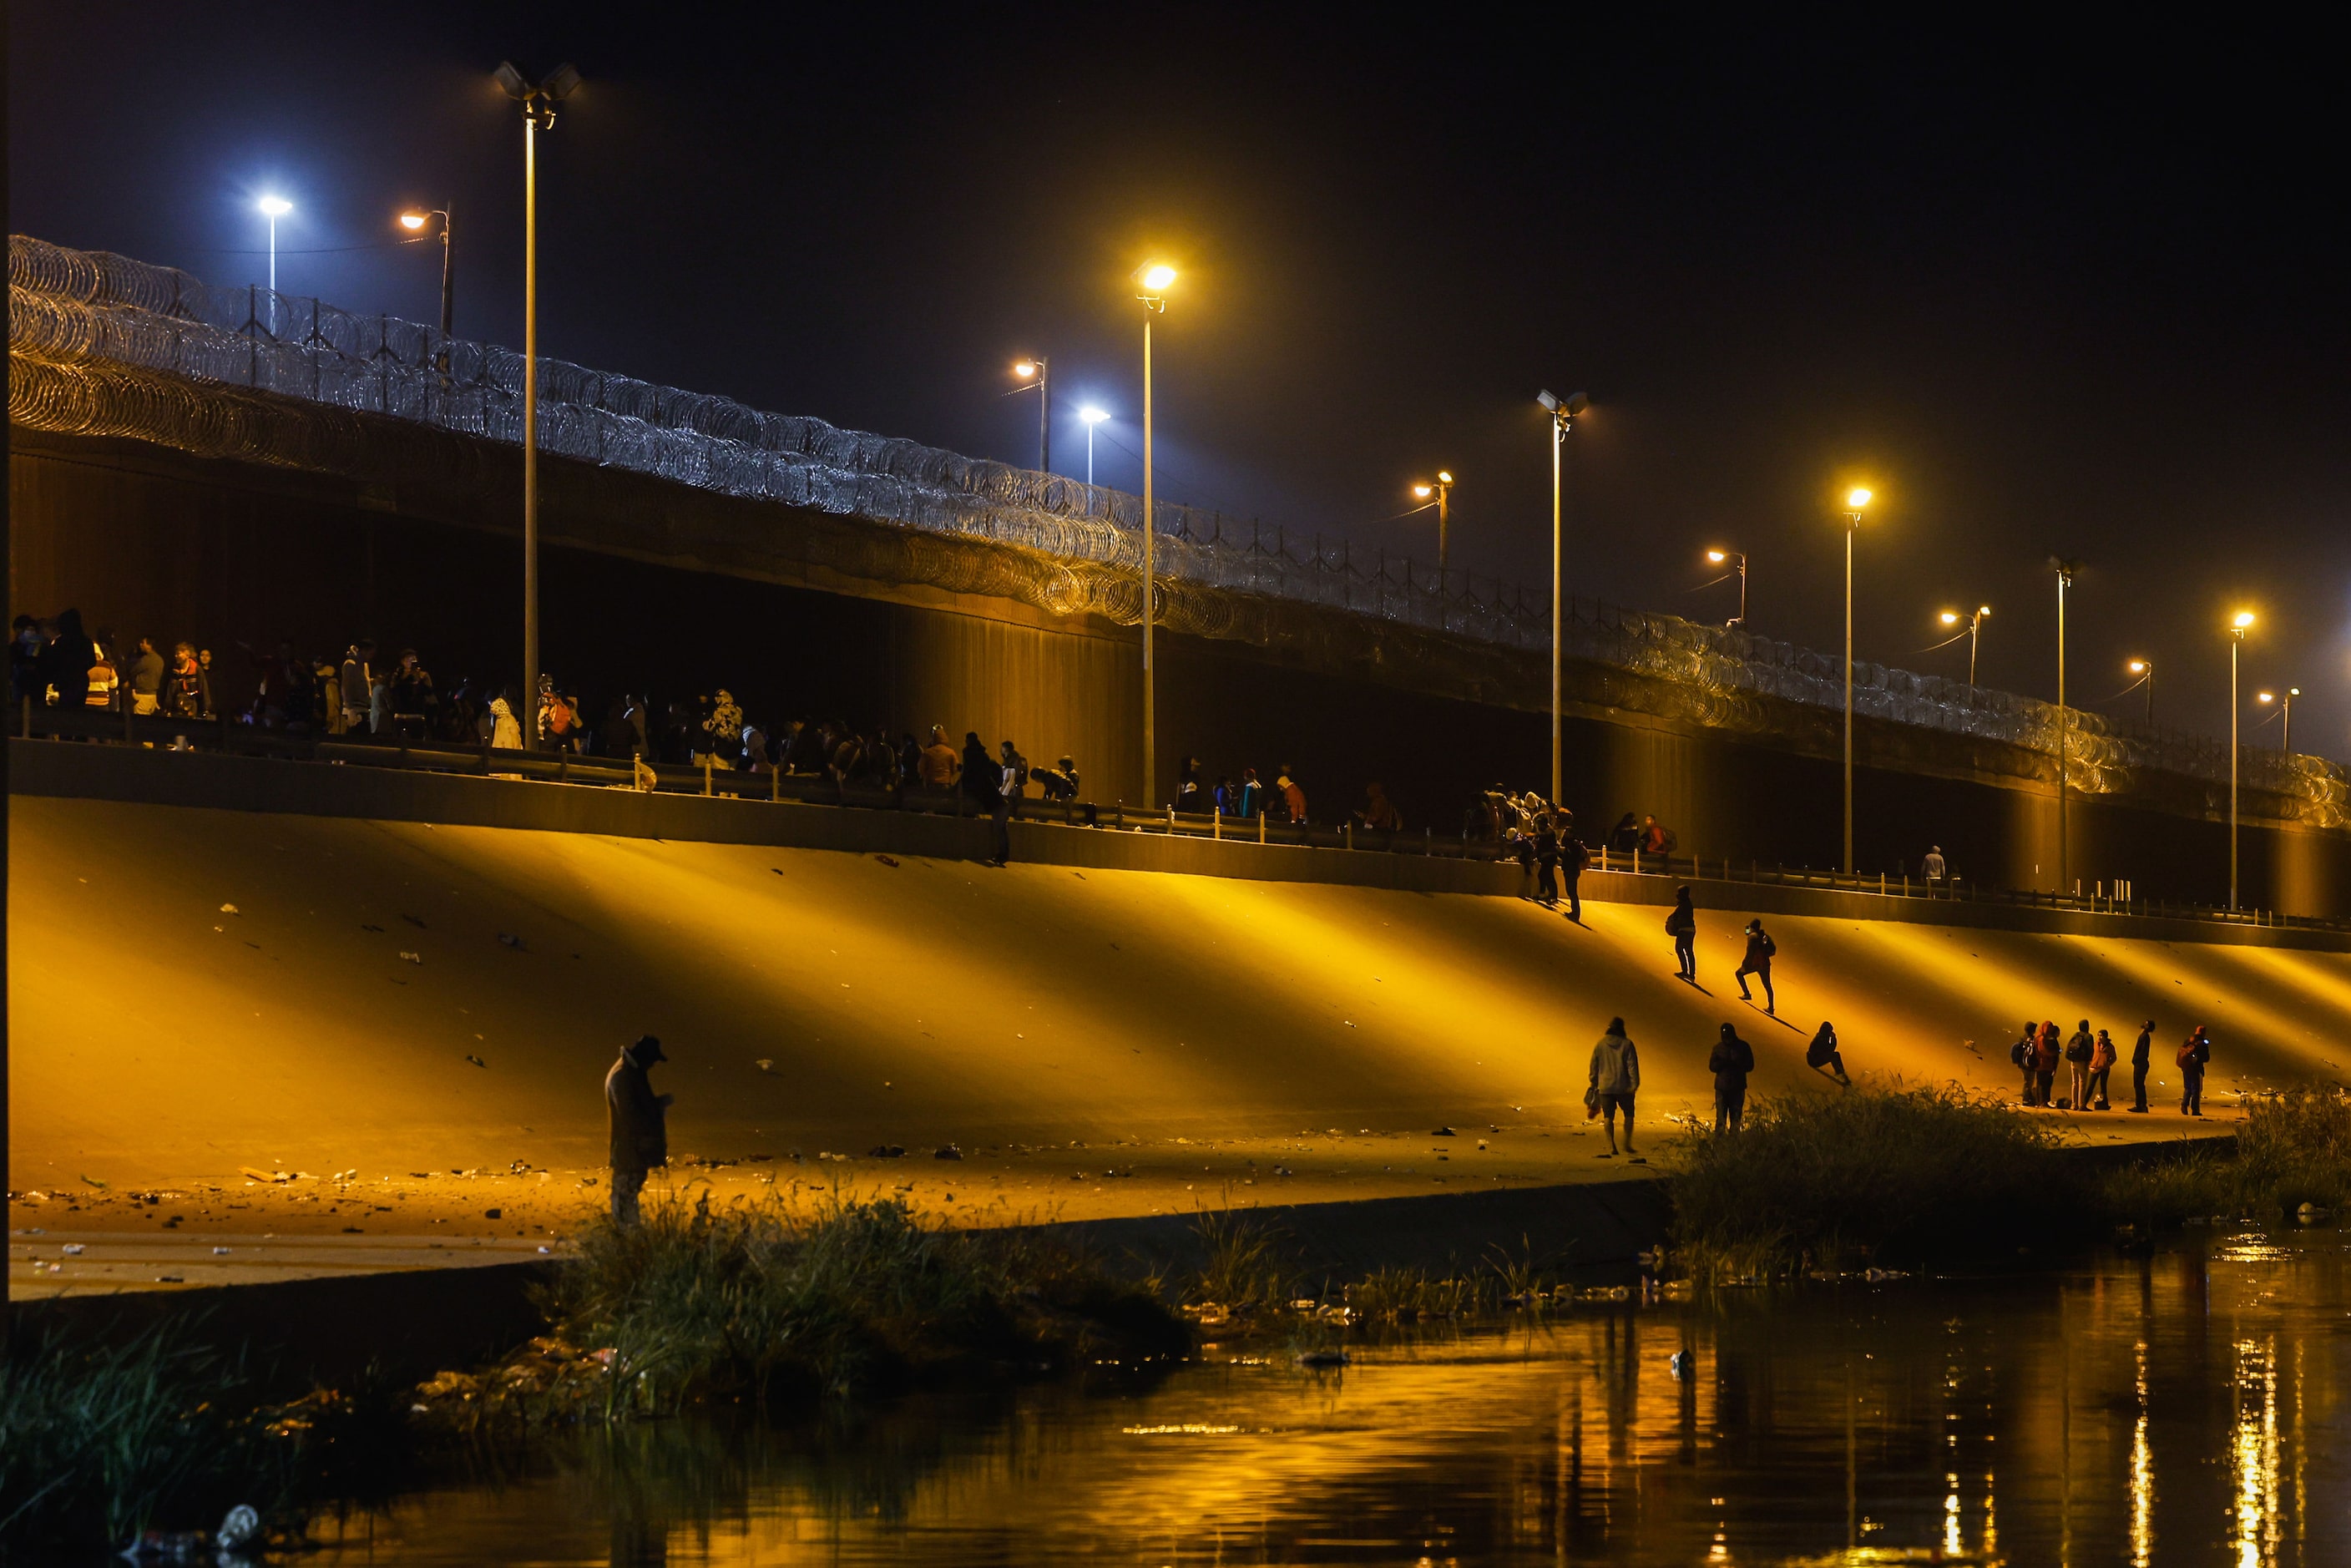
(2145, 1410)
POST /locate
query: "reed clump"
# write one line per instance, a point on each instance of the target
(771, 1298)
(1892, 1177)
(2292, 1149)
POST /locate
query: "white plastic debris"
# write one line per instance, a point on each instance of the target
(240, 1529)
(413, 957)
(231, 909)
(73, 1249)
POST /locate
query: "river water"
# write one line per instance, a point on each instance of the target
(2188, 1408)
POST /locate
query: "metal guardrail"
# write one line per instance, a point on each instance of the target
(224, 735)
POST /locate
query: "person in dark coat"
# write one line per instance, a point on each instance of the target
(1681, 925)
(1760, 949)
(1547, 865)
(982, 779)
(1574, 860)
(2022, 1055)
(65, 662)
(1823, 1056)
(640, 1141)
(2141, 1055)
(2194, 1052)
(1730, 1061)
(2046, 1054)
(2079, 1049)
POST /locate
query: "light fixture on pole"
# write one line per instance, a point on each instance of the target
(2145, 670)
(1037, 371)
(414, 222)
(537, 101)
(1153, 279)
(1563, 412)
(1856, 500)
(1975, 633)
(2064, 570)
(273, 208)
(1723, 557)
(2285, 714)
(1092, 417)
(2238, 627)
(1442, 489)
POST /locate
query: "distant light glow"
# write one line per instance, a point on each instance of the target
(1156, 276)
(1093, 416)
(1983, 609)
(1443, 477)
(1024, 369)
(2136, 666)
(1716, 557)
(273, 206)
(1857, 497)
(412, 221)
(2266, 697)
(2244, 619)
(1950, 617)
(1424, 491)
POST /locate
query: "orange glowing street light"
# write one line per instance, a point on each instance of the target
(1975, 633)
(1036, 370)
(1442, 489)
(2145, 670)
(1153, 279)
(415, 222)
(1856, 500)
(1719, 556)
(2239, 625)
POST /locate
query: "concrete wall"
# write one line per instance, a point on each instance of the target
(151, 542)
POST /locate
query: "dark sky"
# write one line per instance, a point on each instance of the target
(2077, 292)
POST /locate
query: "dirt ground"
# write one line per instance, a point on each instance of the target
(265, 1028)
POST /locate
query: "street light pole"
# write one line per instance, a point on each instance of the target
(1154, 277)
(273, 208)
(1442, 489)
(2145, 670)
(2237, 630)
(537, 101)
(1092, 417)
(414, 222)
(1856, 500)
(1563, 412)
(1975, 634)
(1040, 367)
(2064, 570)
(1719, 557)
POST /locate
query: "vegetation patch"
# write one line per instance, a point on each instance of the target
(2291, 1150)
(1893, 1178)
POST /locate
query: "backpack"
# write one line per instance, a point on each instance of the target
(2187, 1054)
(2019, 1051)
(2077, 1050)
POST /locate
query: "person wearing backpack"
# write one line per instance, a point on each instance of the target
(1758, 963)
(1681, 925)
(2194, 1052)
(2020, 1053)
(2079, 1049)
(1730, 1061)
(2046, 1054)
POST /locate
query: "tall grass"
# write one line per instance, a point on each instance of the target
(769, 1297)
(1897, 1178)
(101, 1442)
(2291, 1150)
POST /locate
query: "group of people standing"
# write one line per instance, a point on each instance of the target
(1616, 1077)
(2091, 1057)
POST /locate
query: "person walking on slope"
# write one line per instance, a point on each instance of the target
(1681, 925)
(1615, 1078)
(1823, 1056)
(2079, 1049)
(2194, 1052)
(2102, 1062)
(637, 1118)
(2141, 1054)
(2046, 1055)
(1758, 963)
(1730, 1061)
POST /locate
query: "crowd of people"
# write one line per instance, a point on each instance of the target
(2091, 1057)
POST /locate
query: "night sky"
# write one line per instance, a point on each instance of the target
(2079, 293)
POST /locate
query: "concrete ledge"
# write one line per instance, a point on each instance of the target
(221, 781)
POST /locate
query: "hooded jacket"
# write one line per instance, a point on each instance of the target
(506, 734)
(639, 1123)
(1615, 1066)
(1731, 1060)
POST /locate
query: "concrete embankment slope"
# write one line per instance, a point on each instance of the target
(196, 990)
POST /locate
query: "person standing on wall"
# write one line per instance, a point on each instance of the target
(639, 1121)
(2194, 1053)
(2141, 1054)
(1932, 867)
(1681, 925)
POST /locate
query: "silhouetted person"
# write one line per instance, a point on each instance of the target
(1932, 867)
(2079, 1047)
(1191, 790)
(1681, 925)
(1546, 864)
(2022, 1054)
(1730, 1061)
(2141, 1054)
(1823, 1056)
(355, 686)
(1615, 1078)
(2102, 1063)
(65, 663)
(2046, 1054)
(2194, 1053)
(640, 1141)
(1574, 860)
(1757, 962)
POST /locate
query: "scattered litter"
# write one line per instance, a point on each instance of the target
(93, 1181)
(1443, 1133)
(413, 920)
(765, 1064)
(350, 1174)
(477, 1060)
(494, 1214)
(170, 1279)
(270, 1178)
(513, 941)
(951, 1152)
(547, 1249)
(1683, 1364)
(413, 957)
(231, 909)
(73, 1249)
(240, 1529)
(889, 861)
(885, 1152)
(220, 1251)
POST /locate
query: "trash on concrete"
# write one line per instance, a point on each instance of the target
(544, 1248)
(885, 1152)
(494, 1214)
(948, 1153)
(412, 957)
(1443, 1133)
(351, 1175)
(268, 1177)
(73, 1249)
(231, 909)
(93, 1181)
(170, 1279)
(765, 1064)
(240, 1529)
(220, 1251)
(512, 941)
(477, 1060)
(888, 860)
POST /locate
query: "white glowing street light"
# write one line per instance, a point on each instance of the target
(1722, 556)
(1856, 500)
(1092, 417)
(1563, 411)
(2285, 714)
(273, 208)
(2242, 623)
(1153, 279)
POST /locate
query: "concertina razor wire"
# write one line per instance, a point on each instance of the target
(1076, 547)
